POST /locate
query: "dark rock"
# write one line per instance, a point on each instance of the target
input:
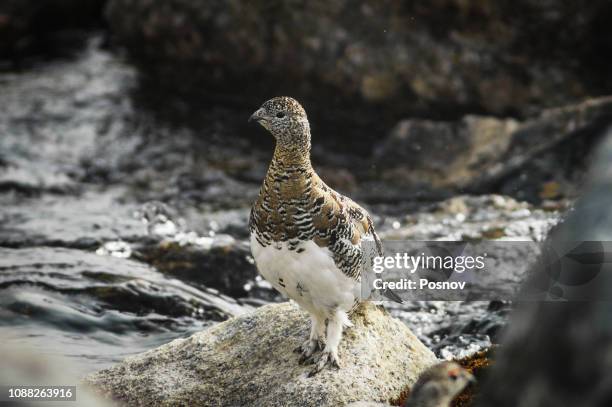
(223, 264)
(448, 55)
(437, 155)
(540, 158)
(557, 353)
(249, 361)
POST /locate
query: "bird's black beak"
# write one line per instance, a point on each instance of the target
(257, 116)
(472, 379)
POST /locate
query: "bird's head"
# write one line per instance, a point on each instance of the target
(439, 384)
(286, 120)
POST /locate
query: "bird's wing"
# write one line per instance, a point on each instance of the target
(362, 220)
(342, 226)
(350, 252)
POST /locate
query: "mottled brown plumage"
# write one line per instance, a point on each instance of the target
(306, 236)
(294, 204)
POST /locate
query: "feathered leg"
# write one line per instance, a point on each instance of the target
(329, 355)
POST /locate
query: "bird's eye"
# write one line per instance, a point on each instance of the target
(280, 115)
(453, 376)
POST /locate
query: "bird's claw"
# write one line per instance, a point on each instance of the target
(306, 359)
(326, 358)
(306, 351)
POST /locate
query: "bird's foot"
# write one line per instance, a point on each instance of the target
(328, 357)
(307, 350)
(300, 348)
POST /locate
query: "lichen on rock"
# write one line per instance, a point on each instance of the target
(248, 360)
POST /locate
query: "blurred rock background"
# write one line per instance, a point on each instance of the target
(440, 59)
(370, 72)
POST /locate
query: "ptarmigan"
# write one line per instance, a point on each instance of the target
(308, 240)
(439, 385)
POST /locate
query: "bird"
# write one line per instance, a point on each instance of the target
(439, 385)
(307, 240)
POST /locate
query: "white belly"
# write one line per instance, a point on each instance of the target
(310, 278)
